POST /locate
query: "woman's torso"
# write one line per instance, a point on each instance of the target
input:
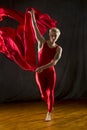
(46, 54)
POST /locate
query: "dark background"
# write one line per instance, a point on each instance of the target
(19, 85)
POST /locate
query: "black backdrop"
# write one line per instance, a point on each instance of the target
(19, 85)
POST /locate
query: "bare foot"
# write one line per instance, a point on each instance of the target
(48, 116)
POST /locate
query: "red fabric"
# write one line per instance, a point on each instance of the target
(18, 44)
(46, 79)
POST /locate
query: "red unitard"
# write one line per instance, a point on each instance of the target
(47, 78)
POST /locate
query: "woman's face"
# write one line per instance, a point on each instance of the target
(53, 36)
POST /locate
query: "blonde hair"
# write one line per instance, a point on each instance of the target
(56, 30)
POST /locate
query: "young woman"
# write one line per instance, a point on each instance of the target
(48, 55)
(18, 45)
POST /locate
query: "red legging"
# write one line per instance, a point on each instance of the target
(46, 82)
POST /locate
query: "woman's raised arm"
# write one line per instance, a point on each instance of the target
(39, 37)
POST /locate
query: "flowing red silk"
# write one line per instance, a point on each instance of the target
(19, 44)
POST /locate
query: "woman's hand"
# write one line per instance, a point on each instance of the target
(31, 12)
(33, 16)
(39, 70)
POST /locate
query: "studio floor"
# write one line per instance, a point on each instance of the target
(67, 115)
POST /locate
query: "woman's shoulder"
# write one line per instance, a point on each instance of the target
(59, 48)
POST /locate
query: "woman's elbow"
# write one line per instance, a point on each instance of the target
(54, 62)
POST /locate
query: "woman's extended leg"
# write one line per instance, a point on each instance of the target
(50, 93)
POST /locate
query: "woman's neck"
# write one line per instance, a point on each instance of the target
(51, 44)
